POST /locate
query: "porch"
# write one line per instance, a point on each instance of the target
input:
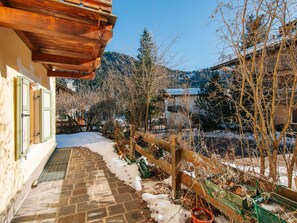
(90, 192)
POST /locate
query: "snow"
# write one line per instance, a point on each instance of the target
(183, 91)
(272, 207)
(290, 140)
(163, 210)
(282, 172)
(78, 139)
(228, 135)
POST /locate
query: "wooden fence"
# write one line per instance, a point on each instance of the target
(178, 155)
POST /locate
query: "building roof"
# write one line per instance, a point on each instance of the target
(67, 36)
(183, 91)
(65, 89)
(231, 59)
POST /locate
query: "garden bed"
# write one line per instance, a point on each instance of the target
(275, 208)
(236, 196)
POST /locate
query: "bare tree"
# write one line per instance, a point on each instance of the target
(264, 72)
(83, 106)
(137, 93)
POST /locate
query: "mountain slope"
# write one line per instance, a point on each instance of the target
(118, 63)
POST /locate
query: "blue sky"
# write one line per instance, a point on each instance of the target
(190, 20)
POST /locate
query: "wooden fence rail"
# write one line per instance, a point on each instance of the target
(178, 155)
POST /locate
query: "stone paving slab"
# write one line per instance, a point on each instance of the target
(89, 193)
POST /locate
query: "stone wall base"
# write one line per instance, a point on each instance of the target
(7, 215)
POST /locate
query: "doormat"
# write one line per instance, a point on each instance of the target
(56, 167)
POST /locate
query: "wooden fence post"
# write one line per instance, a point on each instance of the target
(132, 142)
(116, 132)
(175, 168)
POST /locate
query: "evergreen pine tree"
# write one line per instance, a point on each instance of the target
(146, 74)
(255, 31)
(214, 102)
(146, 55)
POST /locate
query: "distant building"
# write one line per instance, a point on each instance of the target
(62, 89)
(70, 85)
(179, 105)
(63, 124)
(285, 71)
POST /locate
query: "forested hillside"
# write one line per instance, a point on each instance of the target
(121, 64)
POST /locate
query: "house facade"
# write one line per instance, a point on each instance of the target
(27, 120)
(36, 46)
(280, 52)
(179, 105)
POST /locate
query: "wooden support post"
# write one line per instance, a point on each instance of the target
(132, 142)
(175, 169)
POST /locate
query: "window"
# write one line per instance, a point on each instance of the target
(45, 115)
(294, 116)
(22, 117)
(33, 116)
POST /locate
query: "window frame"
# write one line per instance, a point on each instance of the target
(42, 110)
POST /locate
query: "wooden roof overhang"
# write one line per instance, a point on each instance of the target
(67, 36)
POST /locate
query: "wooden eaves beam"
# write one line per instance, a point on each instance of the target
(57, 59)
(48, 25)
(66, 74)
(64, 60)
(65, 52)
(85, 68)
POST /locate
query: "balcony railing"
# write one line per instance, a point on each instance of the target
(176, 108)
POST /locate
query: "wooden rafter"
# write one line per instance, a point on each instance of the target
(86, 67)
(73, 68)
(57, 59)
(65, 53)
(48, 25)
(64, 74)
(107, 34)
(48, 66)
(97, 63)
(26, 40)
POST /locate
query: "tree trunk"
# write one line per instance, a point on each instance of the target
(273, 165)
(146, 115)
(150, 119)
(291, 166)
(262, 162)
(290, 174)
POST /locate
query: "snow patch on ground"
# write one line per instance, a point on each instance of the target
(228, 135)
(78, 139)
(163, 210)
(282, 173)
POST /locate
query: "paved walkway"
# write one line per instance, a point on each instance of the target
(90, 193)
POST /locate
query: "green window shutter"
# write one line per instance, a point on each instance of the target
(22, 117)
(46, 102)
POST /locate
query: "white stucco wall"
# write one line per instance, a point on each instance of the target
(15, 60)
(187, 101)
